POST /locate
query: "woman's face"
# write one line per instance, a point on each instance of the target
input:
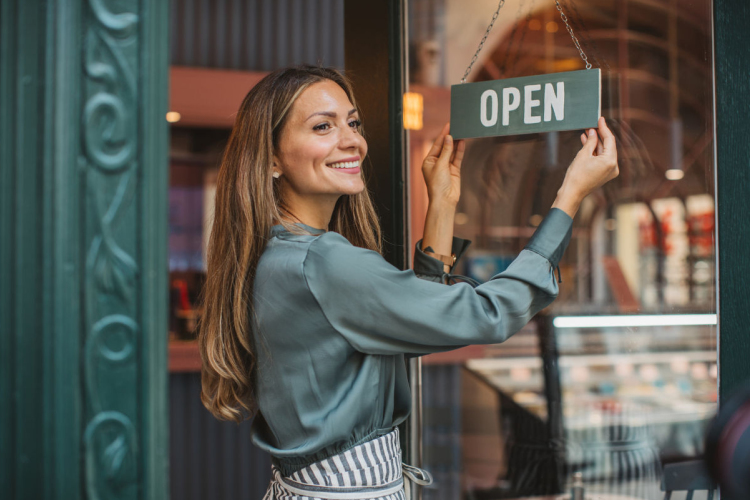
(320, 150)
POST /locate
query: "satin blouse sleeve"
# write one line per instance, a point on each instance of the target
(380, 309)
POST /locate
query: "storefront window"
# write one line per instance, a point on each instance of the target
(618, 377)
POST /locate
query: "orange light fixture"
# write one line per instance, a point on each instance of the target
(413, 108)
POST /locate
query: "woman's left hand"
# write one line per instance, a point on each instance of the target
(442, 169)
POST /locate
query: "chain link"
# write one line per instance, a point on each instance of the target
(570, 30)
(484, 39)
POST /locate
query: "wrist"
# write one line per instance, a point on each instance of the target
(568, 200)
(441, 206)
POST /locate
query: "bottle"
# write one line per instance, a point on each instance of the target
(576, 491)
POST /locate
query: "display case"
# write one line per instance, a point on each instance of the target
(611, 397)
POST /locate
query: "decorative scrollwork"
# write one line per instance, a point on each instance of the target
(121, 24)
(106, 128)
(111, 446)
(109, 161)
(113, 269)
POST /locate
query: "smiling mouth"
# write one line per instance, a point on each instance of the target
(345, 164)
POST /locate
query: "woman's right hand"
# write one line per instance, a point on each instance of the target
(442, 169)
(594, 165)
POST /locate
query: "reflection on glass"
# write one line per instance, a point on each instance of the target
(618, 377)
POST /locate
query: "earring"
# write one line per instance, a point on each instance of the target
(276, 174)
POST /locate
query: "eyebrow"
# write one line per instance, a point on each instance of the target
(331, 113)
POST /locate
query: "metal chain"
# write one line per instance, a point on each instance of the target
(586, 40)
(570, 30)
(484, 39)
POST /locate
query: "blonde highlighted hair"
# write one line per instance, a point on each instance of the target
(247, 204)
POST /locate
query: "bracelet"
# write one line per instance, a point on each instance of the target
(448, 260)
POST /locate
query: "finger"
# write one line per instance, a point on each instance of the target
(438, 144)
(608, 138)
(458, 154)
(583, 139)
(599, 147)
(591, 140)
(445, 154)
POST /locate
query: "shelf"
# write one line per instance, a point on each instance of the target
(489, 364)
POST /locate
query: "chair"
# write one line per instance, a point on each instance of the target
(687, 476)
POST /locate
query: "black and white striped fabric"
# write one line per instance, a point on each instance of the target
(372, 470)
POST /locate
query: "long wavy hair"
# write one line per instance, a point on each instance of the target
(248, 203)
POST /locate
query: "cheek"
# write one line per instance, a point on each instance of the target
(305, 156)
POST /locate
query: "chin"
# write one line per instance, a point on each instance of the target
(352, 190)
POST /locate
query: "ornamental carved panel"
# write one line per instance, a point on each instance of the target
(110, 173)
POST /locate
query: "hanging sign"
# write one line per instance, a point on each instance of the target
(526, 105)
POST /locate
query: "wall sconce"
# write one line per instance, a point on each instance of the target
(413, 106)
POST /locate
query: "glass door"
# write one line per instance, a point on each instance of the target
(619, 376)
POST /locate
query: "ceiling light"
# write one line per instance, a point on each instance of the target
(674, 174)
(173, 117)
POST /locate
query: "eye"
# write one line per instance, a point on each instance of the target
(322, 126)
(355, 123)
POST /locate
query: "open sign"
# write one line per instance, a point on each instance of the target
(532, 104)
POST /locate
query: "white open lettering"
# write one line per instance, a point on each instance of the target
(509, 106)
(490, 95)
(554, 101)
(530, 103)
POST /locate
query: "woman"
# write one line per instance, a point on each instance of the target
(306, 326)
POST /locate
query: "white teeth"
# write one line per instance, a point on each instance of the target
(345, 164)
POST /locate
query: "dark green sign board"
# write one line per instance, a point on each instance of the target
(527, 105)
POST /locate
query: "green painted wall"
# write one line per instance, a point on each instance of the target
(83, 225)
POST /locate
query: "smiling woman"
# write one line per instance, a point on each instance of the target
(306, 327)
(320, 153)
(272, 162)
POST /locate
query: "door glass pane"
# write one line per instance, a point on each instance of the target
(618, 377)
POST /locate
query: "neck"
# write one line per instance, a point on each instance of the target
(314, 211)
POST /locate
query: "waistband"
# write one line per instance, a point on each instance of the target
(367, 471)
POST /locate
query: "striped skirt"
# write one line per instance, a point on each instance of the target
(371, 470)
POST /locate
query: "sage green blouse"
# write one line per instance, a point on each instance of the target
(335, 323)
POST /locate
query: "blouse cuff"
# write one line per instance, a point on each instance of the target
(425, 265)
(552, 236)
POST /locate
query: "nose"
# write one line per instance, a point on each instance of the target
(350, 139)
